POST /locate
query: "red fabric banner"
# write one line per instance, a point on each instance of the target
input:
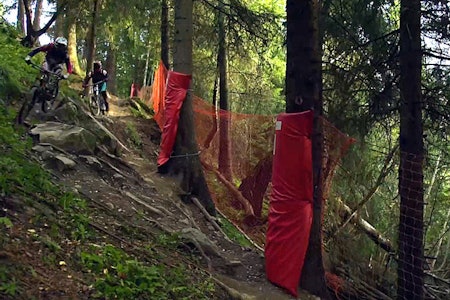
(290, 212)
(176, 89)
(158, 92)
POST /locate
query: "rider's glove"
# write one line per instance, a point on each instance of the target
(65, 76)
(28, 59)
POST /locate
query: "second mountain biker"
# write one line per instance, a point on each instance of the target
(99, 76)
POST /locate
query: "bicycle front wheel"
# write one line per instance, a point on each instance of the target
(94, 105)
(47, 105)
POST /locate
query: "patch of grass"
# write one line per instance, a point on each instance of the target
(119, 276)
(133, 135)
(234, 234)
(6, 222)
(19, 174)
(8, 283)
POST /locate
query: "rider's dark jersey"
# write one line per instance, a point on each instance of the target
(97, 76)
(54, 56)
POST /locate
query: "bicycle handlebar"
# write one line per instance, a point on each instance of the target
(94, 84)
(38, 67)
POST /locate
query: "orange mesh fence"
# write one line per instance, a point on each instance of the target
(336, 144)
(236, 152)
(145, 94)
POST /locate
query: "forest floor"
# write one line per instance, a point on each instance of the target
(129, 200)
(240, 268)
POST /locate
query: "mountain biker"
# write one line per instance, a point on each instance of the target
(99, 76)
(56, 55)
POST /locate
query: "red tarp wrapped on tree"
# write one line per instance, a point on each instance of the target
(290, 213)
(176, 89)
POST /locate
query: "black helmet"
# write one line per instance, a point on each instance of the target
(97, 65)
(61, 42)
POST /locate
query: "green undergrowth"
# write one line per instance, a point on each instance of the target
(61, 216)
(15, 75)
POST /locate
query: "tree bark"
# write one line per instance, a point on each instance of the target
(303, 92)
(165, 33)
(37, 14)
(111, 67)
(21, 17)
(410, 240)
(214, 117)
(145, 80)
(60, 22)
(72, 44)
(189, 168)
(224, 117)
(91, 46)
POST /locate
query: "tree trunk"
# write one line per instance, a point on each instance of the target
(224, 118)
(72, 44)
(410, 240)
(189, 168)
(59, 24)
(91, 38)
(165, 33)
(21, 17)
(37, 14)
(145, 81)
(214, 117)
(303, 92)
(111, 67)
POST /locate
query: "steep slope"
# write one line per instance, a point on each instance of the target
(117, 228)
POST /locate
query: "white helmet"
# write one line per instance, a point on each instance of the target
(61, 42)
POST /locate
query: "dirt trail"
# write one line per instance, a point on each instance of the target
(239, 269)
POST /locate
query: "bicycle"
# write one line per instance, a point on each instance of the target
(97, 104)
(44, 92)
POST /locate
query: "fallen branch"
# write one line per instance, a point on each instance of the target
(233, 190)
(149, 207)
(98, 227)
(209, 217)
(108, 132)
(384, 172)
(367, 228)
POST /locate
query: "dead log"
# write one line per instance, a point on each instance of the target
(387, 167)
(366, 227)
(232, 189)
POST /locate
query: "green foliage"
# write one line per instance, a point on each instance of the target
(133, 135)
(119, 276)
(6, 222)
(256, 57)
(8, 284)
(170, 241)
(18, 173)
(15, 75)
(234, 234)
